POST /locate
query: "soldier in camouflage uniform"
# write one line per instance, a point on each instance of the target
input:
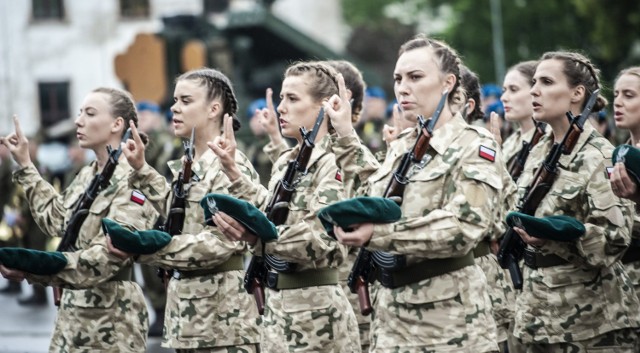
(313, 316)
(576, 297)
(626, 105)
(207, 308)
(101, 309)
(437, 302)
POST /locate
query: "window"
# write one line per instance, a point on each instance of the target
(48, 9)
(54, 102)
(134, 8)
(215, 6)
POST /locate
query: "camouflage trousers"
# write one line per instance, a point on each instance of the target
(249, 348)
(618, 341)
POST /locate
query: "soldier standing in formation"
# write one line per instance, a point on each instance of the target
(101, 308)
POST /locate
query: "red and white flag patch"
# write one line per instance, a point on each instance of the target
(338, 176)
(487, 153)
(138, 197)
(609, 170)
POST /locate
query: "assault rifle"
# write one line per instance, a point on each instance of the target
(363, 268)
(277, 212)
(517, 164)
(175, 218)
(99, 182)
(512, 247)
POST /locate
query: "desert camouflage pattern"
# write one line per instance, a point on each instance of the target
(313, 319)
(448, 208)
(95, 314)
(592, 294)
(618, 341)
(207, 311)
(633, 268)
(513, 144)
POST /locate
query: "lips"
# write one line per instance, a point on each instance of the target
(283, 123)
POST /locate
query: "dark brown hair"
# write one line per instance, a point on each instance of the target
(218, 87)
(122, 105)
(354, 82)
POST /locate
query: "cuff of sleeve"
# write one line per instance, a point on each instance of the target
(139, 177)
(379, 239)
(271, 147)
(240, 186)
(21, 175)
(345, 141)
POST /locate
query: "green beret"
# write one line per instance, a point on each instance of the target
(38, 262)
(558, 227)
(143, 242)
(242, 211)
(630, 156)
(364, 209)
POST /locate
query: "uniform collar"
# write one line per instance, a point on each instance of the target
(199, 168)
(443, 136)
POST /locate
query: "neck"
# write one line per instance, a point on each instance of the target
(635, 136)
(323, 131)
(445, 116)
(559, 127)
(526, 125)
(202, 136)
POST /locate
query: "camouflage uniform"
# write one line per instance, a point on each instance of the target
(104, 311)
(315, 318)
(513, 144)
(631, 259)
(586, 295)
(209, 309)
(448, 208)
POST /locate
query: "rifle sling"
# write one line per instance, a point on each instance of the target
(302, 279)
(125, 274)
(482, 249)
(537, 260)
(423, 270)
(234, 263)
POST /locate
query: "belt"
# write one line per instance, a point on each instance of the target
(234, 263)
(302, 279)
(632, 255)
(422, 270)
(536, 260)
(481, 249)
(125, 274)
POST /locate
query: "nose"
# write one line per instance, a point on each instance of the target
(78, 120)
(174, 108)
(401, 88)
(617, 101)
(280, 107)
(534, 90)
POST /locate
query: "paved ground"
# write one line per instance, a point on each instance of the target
(28, 329)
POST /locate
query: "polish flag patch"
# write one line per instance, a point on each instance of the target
(338, 176)
(487, 153)
(609, 170)
(138, 197)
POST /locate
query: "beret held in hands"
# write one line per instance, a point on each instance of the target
(630, 156)
(363, 209)
(242, 211)
(43, 263)
(557, 227)
(142, 242)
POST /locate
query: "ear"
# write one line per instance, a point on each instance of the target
(472, 105)
(449, 82)
(215, 109)
(578, 94)
(118, 125)
(349, 94)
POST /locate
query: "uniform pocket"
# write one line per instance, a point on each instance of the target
(91, 312)
(310, 319)
(198, 305)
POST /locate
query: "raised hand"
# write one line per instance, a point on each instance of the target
(18, 145)
(269, 119)
(390, 133)
(224, 146)
(338, 108)
(495, 127)
(133, 149)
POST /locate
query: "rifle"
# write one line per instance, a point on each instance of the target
(175, 219)
(363, 267)
(512, 247)
(277, 212)
(99, 182)
(517, 164)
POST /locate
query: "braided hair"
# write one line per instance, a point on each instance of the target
(354, 82)
(218, 87)
(325, 83)
(579, 71)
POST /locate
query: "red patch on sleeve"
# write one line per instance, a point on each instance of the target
(487, 153)
(138, 197)
(338, 176)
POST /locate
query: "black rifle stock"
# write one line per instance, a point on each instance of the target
(363, 268)
(517, 164)
(512, 247)
(176, 215)
(277, 212)
(99, 182)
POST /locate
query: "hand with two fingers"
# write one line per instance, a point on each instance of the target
(133, 149)
(18, 145)
(224, 146)
(269, 119)
(494, 127)
(338, 108)
(390, 133)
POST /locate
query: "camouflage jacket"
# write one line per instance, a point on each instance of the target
(513, 144)
(105, 315)
(633, 268)
(591, 294)
(448, 208)
(212, 310)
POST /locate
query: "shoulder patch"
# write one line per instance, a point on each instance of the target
(338, 176)
(487, 153)
(608, 171)
(138, 197)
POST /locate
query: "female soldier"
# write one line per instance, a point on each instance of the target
(441, 301)
(316, 316)
(207, 308)
(626, 107)
(576, 295)
(101, 309)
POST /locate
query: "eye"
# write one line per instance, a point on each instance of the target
(397, 79)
